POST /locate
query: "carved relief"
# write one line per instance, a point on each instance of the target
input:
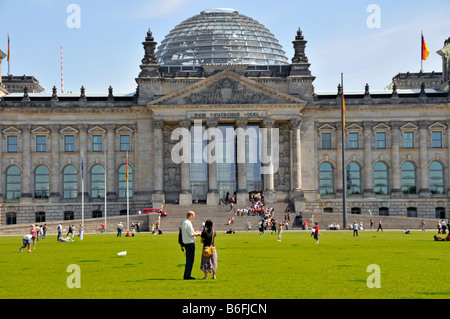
(171, 171)
(282, 178)
(228, 91)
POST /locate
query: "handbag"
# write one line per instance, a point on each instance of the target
(209, 251)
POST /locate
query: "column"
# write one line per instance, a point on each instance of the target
(55, 184)
(26, 164)
(185, 197)
(396, 191)
(2, 176)
(242, 193)
(158, 195)
(110, 160)
(212, 198)
(296, 169)
(447, 180)
(368, 171)
(267, 166)
(84, 154)
(424, 188)
(296, 195)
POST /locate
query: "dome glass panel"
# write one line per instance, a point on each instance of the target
(220, 36)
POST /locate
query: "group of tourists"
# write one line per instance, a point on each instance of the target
(40, 232)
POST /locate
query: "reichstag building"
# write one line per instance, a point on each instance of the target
(221, 71)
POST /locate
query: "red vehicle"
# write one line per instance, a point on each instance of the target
(155, 210)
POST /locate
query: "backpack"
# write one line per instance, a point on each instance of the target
(180, 239)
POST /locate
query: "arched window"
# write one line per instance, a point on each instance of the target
(326, 179)
(123, 181)
(408, 178)
(436, 178)
(380, 178)
(42, 182)
(98, 181)
(70, 182)
(353, 179)
(13, 179)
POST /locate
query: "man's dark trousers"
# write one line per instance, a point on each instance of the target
(190, 254)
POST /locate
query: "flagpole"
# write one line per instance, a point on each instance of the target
(106, 200)
(421, 52)
(344, 191)
(9, 55)
(128, 201)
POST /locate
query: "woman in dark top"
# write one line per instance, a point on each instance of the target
(209, 264)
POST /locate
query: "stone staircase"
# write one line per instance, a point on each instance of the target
(219, 215)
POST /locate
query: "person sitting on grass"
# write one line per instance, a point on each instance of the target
(65, 240)
(437, 238)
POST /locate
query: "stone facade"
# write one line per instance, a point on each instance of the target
(94, 134)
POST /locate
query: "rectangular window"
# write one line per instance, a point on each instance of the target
(69, 143)
(11, 219)
(40, 217)
(381, 140)
(41, 143)
(97, 143)
(408, 140)
(353, 140)
(69, 215)
(436, 139)
(326, 141)
(12, 144)
(124, 143)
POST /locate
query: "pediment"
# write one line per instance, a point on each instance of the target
(226, 87)
(12, 130)
(68, 130)
(97, 130)
(381, 127)
(124, 129)
(437, 126)
(326, 127)
(409, 127)
(40, 130)
(354, 127)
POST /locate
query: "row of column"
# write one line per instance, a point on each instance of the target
(242, 193)
(55, 165)
(396, 140)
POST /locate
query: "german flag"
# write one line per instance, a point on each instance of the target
(9, 49)
(127, 166)
(343, 110)
(425, 51)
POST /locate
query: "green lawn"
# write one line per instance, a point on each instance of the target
(251, 266)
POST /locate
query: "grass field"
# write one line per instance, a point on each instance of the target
(251, 266)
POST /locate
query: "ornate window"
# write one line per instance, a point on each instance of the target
(408, 178)
(436, 178)
(353, 178)
(380, 178)
(42, 182)
(98, 181)
(326, 183)
(70, 182)
(123, 181)
(13, 182)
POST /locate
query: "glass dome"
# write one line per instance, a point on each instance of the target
(220, 36)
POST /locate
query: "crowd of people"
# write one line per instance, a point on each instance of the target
(38, 232)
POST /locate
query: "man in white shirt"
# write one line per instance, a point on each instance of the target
(188, 235)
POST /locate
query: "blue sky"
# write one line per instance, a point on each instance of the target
(107, 48)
